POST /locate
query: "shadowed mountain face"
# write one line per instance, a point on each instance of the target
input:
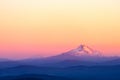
(82, 63)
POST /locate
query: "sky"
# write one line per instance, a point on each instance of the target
(30, 28)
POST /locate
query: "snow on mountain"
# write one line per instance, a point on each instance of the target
(83, 50)
(81, 53)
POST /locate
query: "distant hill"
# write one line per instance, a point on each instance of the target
(34, 77)
(81, 63)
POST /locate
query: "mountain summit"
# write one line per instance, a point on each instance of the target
(83, 50)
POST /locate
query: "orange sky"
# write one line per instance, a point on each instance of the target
(47, 27)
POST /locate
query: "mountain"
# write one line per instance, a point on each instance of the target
(79, 52)
(83, 50)
(82, 55)
(81, 63)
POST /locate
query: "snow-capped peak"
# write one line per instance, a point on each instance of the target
(83, 50)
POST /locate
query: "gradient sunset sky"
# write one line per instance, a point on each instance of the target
(48, 27)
